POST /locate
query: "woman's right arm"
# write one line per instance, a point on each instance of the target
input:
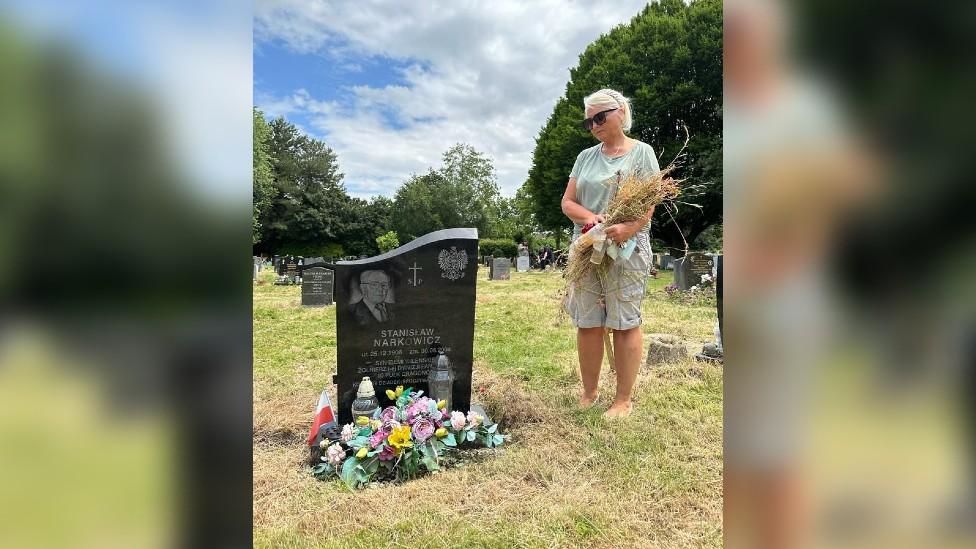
(574, 210)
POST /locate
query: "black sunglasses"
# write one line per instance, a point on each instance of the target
(598, 118)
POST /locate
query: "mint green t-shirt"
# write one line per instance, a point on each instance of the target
(596, 174)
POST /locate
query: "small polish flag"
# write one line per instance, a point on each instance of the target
(323, 416)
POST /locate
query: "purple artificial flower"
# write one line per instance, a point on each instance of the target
(390, 413)
(457, 420)
(423, 429)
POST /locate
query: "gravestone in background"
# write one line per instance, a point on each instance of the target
(291, 268)
(395, 311)
(667, 262)
(312, 262)
(317, 283)
(522, 263)
(689, 269)
(501, 269)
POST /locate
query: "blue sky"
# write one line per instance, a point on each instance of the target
(391, 85)
(193, 61)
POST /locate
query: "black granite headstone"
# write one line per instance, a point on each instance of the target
(395, 311)
(317, 283)
(689, 269)
(500, 269)
(290, 266)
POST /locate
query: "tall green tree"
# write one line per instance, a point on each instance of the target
(414, 206)
(462, 193)
(263, 185)
(668, 60)
(310, 207)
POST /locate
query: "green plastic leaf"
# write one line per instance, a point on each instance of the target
(432, 407)
(471, 436)
(372, 466)
(349, 472)
(322, 470)
(358, 442)
(365, 432)
(449, 440)
(498, 439)
(493, 428)
(430, 463)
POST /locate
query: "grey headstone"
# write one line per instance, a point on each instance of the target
(317, 286)
(500, 269)
(522, 263)
(666, 262)
(427, 288)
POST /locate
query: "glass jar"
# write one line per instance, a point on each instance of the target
(366, 403)
(440, 382)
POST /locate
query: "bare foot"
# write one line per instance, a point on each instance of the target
(587, 400)
(619, 409)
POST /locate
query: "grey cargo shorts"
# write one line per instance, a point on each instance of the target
(613, 299)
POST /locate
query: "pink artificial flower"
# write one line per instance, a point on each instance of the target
(386, 454)
(423, 429)
(474, 419)
(335, 454)
(377, 438)
(348, 432)
(457, 420)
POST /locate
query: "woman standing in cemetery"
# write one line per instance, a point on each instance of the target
(612, 302)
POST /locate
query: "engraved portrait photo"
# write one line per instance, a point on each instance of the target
(372, 297)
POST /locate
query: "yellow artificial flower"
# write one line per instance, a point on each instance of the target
(441, 404)
(400, 439)
(362, 421)
(440, 433)
(375, 424)
(390, 394)
(362, 453)
(399, 390)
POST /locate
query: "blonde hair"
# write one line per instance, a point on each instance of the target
(611, 99)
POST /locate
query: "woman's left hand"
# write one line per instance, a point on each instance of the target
(620, 232)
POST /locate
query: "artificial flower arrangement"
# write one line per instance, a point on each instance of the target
(398, 440)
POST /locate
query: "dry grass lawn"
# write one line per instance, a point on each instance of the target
(567, 478)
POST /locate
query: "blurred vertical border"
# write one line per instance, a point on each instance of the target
(850, 260)
(125, 333)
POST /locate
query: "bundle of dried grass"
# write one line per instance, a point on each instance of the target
(634, 196)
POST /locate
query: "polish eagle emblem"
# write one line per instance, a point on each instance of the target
(452, 263)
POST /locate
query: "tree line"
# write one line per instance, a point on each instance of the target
(667, 59)
(301, 205)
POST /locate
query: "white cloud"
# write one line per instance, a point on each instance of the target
(486, 73)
